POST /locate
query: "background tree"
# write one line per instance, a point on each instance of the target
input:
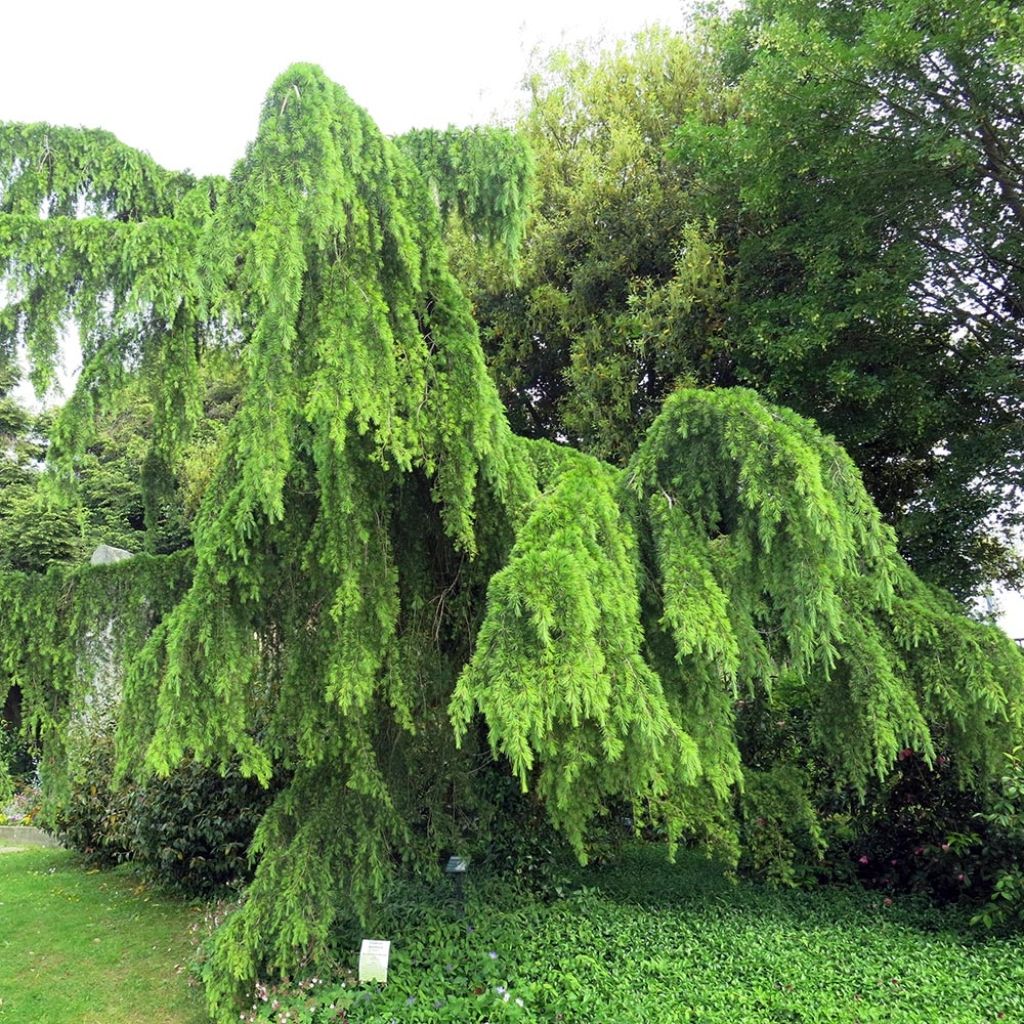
(867, 193)
(618, 296)
(34, 530)
(814, 200)
(391, 601)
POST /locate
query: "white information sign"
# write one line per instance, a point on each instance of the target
(373, 960)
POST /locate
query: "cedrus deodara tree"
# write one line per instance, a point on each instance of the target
(390, 597)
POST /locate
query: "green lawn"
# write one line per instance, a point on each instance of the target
(81, 947)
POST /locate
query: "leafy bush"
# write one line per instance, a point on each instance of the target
(1002, 851)
(920, 829)
(781, 834)
(16, 762)
(784, 831)
(191, 830)
(92, 817)
(917, 831)
(515, 837)
(6, 750)
(24, 803)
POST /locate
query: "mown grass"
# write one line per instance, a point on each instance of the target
(81, 947)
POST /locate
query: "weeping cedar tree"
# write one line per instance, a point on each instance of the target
(390, 596)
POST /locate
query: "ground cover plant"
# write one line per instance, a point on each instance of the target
(391, 604)
(91, 948)
(646, 942)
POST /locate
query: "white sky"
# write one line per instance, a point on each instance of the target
(185, 80)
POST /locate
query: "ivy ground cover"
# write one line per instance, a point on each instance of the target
(645, 942)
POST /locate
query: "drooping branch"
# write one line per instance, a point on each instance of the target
(485, 175)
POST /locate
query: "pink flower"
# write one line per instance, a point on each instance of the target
(865, 859)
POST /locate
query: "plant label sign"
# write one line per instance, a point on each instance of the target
(373, 960)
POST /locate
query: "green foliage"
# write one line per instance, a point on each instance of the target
(50, 647)
(93, 818)
(512, 835)
(8, 755)
(782, 836)
(389, 597)
(558, 672)
(618, 296)
(820, 201)
(34, 530)
(647, 942)
(1002, 855)
(190, 831)
(193, 829)
(365, 408)
(917, 831)
(105, 498)
(484, 175)
(867, 194)
(35, 534)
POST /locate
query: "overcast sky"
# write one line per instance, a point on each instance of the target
(185, 80)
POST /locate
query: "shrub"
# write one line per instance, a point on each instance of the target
(781, 834)
(92, 817)
(917, 831)
(6, 784)
(25, 805)
(191, 830)
(1001, 855)
(515, 837)
(16, 763)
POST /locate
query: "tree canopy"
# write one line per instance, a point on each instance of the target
(869, 187)
(618, 297)
(390, 600)
(815, 200)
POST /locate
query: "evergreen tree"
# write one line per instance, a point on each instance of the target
(35, 531)
(390, 597)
